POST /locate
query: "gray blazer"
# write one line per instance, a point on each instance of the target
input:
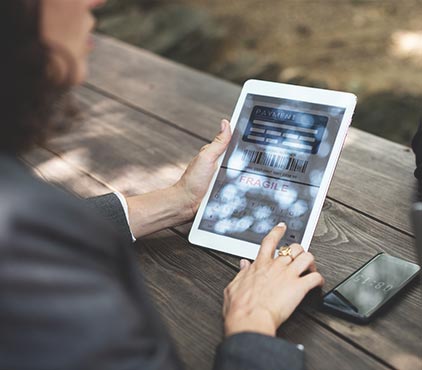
(72, 296)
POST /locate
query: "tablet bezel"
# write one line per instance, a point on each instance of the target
(344, 100)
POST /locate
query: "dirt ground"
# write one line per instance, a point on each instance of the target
(371, 48)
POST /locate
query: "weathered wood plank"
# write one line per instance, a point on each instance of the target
(373, 175)
(396, 335)
(60, 173)
(125, 149)
(340, 233)
(178, 94)
(187, 287)
(178, 274)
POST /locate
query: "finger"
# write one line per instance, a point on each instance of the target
(297, 249)
(270, 242)
(311, 281)
(219, 144)
(239, 276)
(244, 264)
(305, 261)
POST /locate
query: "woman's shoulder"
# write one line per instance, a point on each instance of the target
(35, 210)
(22, 192)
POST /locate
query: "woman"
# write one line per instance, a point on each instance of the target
(71, 296)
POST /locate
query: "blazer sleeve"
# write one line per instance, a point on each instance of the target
(252, 351)
(71, 295)
(110, 207)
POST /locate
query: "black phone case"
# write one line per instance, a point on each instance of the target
(361, 319)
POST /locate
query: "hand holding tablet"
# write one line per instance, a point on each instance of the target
(277, 168)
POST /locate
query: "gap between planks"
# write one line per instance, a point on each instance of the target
(217, 257)
(70, 163)
(133, 106)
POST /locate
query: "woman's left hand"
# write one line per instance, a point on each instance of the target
(195, 180)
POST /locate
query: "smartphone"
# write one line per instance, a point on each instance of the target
(365, 291)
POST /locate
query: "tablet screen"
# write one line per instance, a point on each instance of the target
(272, 169)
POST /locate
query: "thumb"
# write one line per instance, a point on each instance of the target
(219, 144)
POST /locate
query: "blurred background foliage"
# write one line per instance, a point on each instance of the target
(371, 48)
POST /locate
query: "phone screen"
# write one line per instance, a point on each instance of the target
(272, 169)
(368, 288)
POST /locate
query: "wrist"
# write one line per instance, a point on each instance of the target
(158, 210)
(256, 323)
(188, 203)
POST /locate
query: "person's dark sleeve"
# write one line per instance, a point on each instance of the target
(71, 295)
(251, 351)
(110, 207)
(417, 149)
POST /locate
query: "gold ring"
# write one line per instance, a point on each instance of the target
(285, 251)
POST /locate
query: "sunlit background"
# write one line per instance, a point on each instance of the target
(370, 48)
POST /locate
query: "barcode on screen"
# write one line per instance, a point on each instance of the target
(285, 162)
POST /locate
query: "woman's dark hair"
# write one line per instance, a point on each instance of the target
(28, 93)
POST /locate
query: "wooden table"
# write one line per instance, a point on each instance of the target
(145, 118)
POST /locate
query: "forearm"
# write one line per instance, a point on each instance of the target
(158, 210)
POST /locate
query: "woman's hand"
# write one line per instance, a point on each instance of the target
(177, 204)
(195, 181)
(265, 293)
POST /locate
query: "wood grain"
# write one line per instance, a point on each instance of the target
(60, 173)
(373, 175)
(187, 286)
(178, 274)
(344, 240)
(340, 232)
(123, 148)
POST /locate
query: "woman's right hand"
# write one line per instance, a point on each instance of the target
(265, 293)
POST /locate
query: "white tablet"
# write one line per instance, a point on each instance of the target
(278, 167)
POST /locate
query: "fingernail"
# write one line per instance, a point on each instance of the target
(223, 125)
(242, 264)
(281, 224)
